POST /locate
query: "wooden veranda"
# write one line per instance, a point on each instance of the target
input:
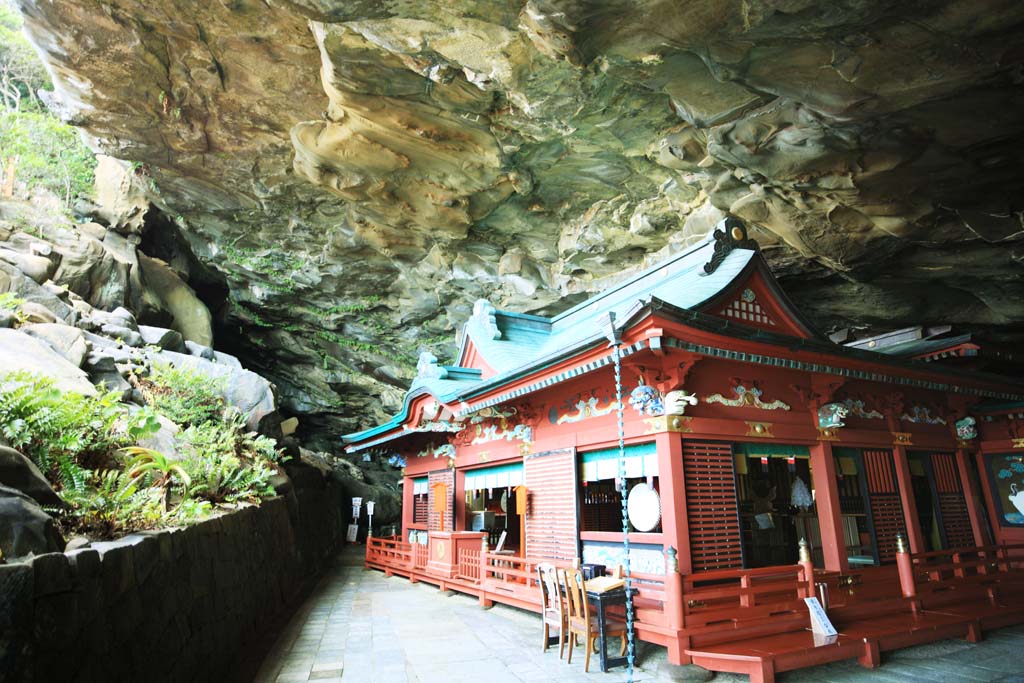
(754, 621)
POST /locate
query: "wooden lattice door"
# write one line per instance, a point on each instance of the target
(711, 508)
(885, 507)
(952, 508)
(552, 526)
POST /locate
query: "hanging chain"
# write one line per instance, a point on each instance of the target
(625, 512)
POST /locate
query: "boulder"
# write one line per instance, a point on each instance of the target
(98, 272)
(191, 317)
(123, 317)
(68, 341)
(245, 390)
(120, 195)
(18, 472)
(38, 268)
(21, 352)
(6, 319)
(170, 340)
(24, 527)
(227, 359)
(36, 313)
(124, 334)
(109, 379)
(165, 440)
(14, 281)
(202, 351)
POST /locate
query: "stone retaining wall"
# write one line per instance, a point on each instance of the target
(181, 605)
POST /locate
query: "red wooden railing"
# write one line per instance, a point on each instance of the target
(469, 565)
(388, 551)
(939, 571)
(514, 579)
(420, 555)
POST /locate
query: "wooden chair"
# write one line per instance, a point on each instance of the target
(553, 612)
(579, 622)
(500, 546)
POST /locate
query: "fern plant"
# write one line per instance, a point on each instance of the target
(48, 425)
(111, 503)
(182, 395)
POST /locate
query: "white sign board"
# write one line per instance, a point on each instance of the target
(820, 623)
(369, 507)
(353, 531)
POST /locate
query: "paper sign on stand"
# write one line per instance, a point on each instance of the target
(820, 623)
(353, 533)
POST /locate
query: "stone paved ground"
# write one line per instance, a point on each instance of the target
(360, 626)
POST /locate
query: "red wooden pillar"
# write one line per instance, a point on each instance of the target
(971, 498)
(408, 505)
(906, 487)
(675, 529)
(826, 498)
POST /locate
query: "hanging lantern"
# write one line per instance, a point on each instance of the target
(791, 462)
(764, 463)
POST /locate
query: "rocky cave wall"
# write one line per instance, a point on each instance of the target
(355, 174)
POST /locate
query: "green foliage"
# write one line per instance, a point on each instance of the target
(83, 446)
(364, 304)
(56, 429)
(142, 423)
(146, 464)
(277, 267)
(354, 344)
(227, 463)
(21, 71)
(9, 303)
(182, 395)
(47, 153)
(112, 503)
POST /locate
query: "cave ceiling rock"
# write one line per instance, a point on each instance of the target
(358, 171)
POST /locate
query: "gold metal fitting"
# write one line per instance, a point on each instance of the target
(901, 542)
(805, 551)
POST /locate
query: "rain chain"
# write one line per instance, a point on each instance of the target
(625, 511)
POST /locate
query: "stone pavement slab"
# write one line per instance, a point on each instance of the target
(362, 626)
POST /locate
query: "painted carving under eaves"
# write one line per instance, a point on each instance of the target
(855, 407)
(967, 428)
(649, 401)
(583, 406)
(831, 415)
(443, 451)
(746, 397)
(922, 415)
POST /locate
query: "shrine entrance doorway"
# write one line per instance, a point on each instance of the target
(775, 496)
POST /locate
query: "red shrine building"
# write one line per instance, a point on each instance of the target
(743, 431)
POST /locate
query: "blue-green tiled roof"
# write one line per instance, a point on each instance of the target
(680, 281)
(515, 343)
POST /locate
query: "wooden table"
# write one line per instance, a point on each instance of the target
(601, 601)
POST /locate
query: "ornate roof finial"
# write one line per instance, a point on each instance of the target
(730, 233)
(484, 319)
(427, 367)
